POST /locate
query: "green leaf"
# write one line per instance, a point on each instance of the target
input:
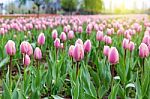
(7, 93)
(4, 61)
(57, 97)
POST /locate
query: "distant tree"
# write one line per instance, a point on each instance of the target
(93, 6)
(69, 5)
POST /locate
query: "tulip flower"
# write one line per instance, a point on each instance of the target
(131, 47)
(70, 52)
(37, 54)
(87, 46)
(70, 35)
(57, 45)
(54, 34)
(80, 29)
(26, 60)
(26, 48)
(143, 52)
(78, 55)
(41, 39)
(106, 50)
(63, 36)
(10, 50)
(125, 45)
(79, 41)
(113, 58)
(99, 36)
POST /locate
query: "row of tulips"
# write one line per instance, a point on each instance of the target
(79, 57)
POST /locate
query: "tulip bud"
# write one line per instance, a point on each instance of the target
(78, 52)
(113, 56)
(41, 39)
(26, 60)
(99, 36)
(57, 43)
(79, 41)
(87, 46)
(125, 43)
(143, 50)
(10, 48)
(26, 48)
(70, 52)
(131, 46)
(54, 34)
(37, 53)
(63, 36)
(106, 50)
(70, 35)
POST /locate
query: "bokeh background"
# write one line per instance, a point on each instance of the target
(73, 7)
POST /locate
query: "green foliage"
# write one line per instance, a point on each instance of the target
(93, 6)
(69, 5)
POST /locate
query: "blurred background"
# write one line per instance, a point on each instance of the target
(74, 7)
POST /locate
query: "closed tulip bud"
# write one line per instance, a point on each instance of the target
(63, 36)
(10, 48)
(80, 29)
(70, 35)
(109, 32)
(99, 36)
(26, 48)
(143, 50)
(125, 43)
(57, 43)
(26, 60)
(87, 46)
(108, 40)
(70, 52)
(41, 39)
(37, 53)
(54, 34)
(78, 52)
(79, 41)
(106, 50)
(131, 46)
(146, 39)
(113, 56)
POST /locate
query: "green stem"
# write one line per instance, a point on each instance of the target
(77, 69)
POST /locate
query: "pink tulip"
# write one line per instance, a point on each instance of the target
(10, 48)
(87, 46)
(78, 52)
(57, 43)
(79, 41)
(26, 48)
(106, 50)
(70, 35)
(125, 43)
(143, 50)
(108, 40)
(26, 60)
(99, 36)
(113, 56)
(63, 36)
(80, 29)
(131, 46)
(37, 53)
(54, 34)
(70, 52)
(41, 39)
(146, 39)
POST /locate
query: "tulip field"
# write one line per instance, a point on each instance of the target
(75, 57)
